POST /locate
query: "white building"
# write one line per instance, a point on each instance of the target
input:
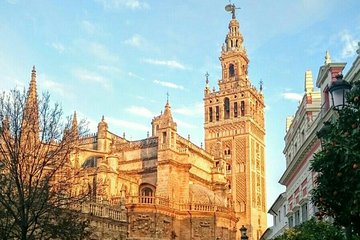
(301, 143)
(280, 221)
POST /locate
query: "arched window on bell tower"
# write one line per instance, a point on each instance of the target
(242, 108)
(231, 70)
(210, 114)
(226, 108)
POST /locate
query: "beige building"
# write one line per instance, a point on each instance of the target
(166, 187)
(235, 131)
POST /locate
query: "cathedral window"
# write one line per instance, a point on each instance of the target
(147, 193)
(228, 168)
(217, 113)
(231, 70)
(226, 108)
(235, 109)
(227, 151)
(164, 137)
(242, 108)
(210, 114)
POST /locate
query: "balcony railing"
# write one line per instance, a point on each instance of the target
(185, 206)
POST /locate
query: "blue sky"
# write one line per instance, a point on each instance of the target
(119, 58)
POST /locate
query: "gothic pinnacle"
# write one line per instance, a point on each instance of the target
(327, 57)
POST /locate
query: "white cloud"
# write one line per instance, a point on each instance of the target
(139, 97)
(107, 68)
(58, 47)
(135, 41)
(127, 124)
(169, 84)
(350, 45)
(167, 63)
(195, 109)
(116, 4)
(101, 52)
(54, 86)
(184, 124)
(135, 76)
(140, 111)
(87, 26)
(292, 96)
(88, 76)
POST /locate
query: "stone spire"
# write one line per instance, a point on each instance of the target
(327, 57)
(309, 84)
(31, 100)
(207, 89)
(74, 127)
(167, 111)
(31, 110)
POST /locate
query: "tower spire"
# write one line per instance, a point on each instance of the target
(31, 110)
(74, 126)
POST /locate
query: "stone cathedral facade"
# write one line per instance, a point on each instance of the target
(165, 186)
(235, 132)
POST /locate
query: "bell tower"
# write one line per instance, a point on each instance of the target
(234, 119)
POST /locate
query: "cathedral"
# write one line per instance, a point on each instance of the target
(165, 186)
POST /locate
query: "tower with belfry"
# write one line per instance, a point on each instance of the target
(235, 131)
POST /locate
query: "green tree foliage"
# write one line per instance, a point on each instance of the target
(36, 175)
(337, 191)
(313, 230)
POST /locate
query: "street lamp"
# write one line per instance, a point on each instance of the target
(243, 231)
(338, 90)
(324, 131)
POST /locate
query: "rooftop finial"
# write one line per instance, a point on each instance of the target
(167, 97)
(231, 8)
(207, 77)
(327, 57)
(261, 85)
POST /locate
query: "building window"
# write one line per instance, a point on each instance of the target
(304, 212)
(242, 108)
(210, 114)
(279, 215)
(291, 221)
(164, 137)
(226, 108)
(231, 70)
(227, 151)
(217, 113)
(235, 109)
(147, 193)
(297, 217)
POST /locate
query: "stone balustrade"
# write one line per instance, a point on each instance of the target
(103, 210)
(165, 202)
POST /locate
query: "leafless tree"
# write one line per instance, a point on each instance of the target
(38, 187)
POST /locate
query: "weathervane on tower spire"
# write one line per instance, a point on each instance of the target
(231, 8)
